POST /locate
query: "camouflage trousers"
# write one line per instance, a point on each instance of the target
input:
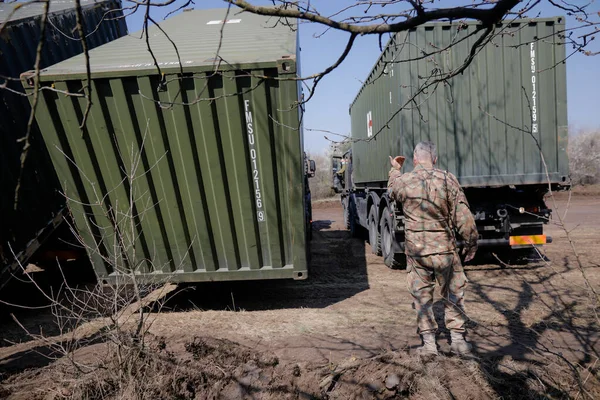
(448, 271)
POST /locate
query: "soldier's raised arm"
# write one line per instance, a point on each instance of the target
(393, 177)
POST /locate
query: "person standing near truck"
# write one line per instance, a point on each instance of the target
(339, 177)
(342, 170)
(435, 208)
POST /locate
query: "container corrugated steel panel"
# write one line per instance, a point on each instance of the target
(217, 199)
(479, 119)
(40, 202)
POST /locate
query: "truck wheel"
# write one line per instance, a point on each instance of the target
(391, 259)
(346, 213)
(374, 236)
(352, 224)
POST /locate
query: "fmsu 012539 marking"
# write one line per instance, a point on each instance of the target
(260, 213)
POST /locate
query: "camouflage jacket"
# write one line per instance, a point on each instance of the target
(435, 207)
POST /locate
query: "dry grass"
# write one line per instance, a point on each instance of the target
(203, 368)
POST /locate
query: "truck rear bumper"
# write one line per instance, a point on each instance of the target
(507, 242)
(481, 243)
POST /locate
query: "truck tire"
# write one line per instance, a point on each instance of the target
(352, 224)
(391, 259)
(374, 236)
(346, 213)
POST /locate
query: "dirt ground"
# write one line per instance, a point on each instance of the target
(349, 331)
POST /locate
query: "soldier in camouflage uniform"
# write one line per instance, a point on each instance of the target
(435, 209)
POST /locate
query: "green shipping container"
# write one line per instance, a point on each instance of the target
(193, 174)
(481, 119)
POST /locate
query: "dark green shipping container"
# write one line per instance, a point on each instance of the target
(213, 143)
(480, 119)
(38, 210)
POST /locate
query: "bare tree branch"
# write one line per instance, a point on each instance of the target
(88, 86)
(486, 16)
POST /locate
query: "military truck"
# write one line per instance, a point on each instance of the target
(500, 127)
(197, 147)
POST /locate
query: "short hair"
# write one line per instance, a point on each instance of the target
(425, 151)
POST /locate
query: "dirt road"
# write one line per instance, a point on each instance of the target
(534, 327)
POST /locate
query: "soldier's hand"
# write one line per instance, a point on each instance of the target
(397, 162)
(469, 253)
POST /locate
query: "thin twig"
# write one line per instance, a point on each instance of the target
(88, 86)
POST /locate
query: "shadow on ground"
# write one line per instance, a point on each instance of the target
(546, 358)
(338, 270)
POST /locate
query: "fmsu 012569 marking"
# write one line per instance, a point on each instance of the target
(260, 213)
(534, 108)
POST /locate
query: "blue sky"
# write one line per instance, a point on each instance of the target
(328, 109)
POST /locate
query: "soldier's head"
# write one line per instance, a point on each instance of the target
(425, 153)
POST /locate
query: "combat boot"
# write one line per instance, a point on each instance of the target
(459, 345)
(429, 347)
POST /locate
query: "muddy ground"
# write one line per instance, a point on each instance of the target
(347, 331)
